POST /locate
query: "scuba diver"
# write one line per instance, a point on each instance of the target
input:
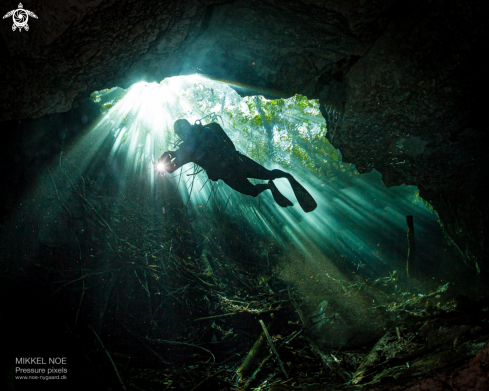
(211, 148)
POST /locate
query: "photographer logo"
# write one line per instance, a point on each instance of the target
(20, 16)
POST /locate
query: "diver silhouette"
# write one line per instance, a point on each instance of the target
(211, 148)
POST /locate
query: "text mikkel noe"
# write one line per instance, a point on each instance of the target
(40, 360)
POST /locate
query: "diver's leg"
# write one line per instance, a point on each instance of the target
(278, 196)
(244, 186)
(254, 170)
(251, 169)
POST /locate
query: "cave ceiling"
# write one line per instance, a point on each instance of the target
(407, 80)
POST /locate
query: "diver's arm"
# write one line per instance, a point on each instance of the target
(173, 160)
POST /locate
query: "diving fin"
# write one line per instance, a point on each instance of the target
(278, 196)
(307, 203)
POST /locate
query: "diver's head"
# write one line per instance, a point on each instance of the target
(182, 128)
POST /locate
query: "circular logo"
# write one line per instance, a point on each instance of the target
(20, 18)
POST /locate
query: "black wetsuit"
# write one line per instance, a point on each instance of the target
(214, 151)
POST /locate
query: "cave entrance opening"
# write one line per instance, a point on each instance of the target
(358, 217)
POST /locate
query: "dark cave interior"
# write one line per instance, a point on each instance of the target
(139, 300)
